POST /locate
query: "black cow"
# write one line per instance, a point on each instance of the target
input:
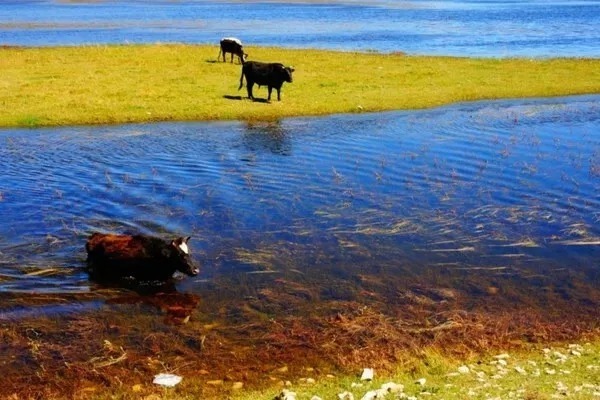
(234, 46)
(145, 258)
(271, 75)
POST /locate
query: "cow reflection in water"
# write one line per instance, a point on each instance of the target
(267, 136)
(176, 307)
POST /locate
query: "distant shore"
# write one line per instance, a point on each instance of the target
(106, 84)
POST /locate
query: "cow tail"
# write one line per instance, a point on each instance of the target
(241, 79)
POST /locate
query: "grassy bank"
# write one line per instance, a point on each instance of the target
(571, 371)
(139, 83)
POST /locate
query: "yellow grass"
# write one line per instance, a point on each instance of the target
(138, 83)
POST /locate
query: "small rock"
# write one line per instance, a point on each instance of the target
(316, 398)
(345, 396)
(521, 370)
(286, 395)
(215, 382)
(421, 381)
(310, 381)
(561, 388)
(463, 369)
(283, 369)
(237, 385)
(356, 385)
(392, 387)
(502, 356)
(168, 380)
(372, 395)
(559, 355)
(492, 290)
(367, 374)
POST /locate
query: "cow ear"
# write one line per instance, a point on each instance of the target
(291, 68)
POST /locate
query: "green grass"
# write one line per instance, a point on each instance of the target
(140, 83)
(566, 371)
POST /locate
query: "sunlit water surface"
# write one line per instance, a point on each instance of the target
(504, 188)
(530, 28)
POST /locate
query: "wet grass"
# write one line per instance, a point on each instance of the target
(139, 83)
(259, 331)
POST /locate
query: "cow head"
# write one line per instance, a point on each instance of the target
(244, 57)
(287, 73)
(182, 259)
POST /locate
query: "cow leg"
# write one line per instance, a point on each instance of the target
(278, 94)
(231, 58)
(270, 89)
(249, 85)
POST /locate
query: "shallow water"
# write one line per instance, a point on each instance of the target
(463, 28)
(507, 189)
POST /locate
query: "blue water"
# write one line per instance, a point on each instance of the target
(493, 186)
(460, 28)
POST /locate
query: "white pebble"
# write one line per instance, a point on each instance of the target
(463, 369)
(345, 396)
(392, 387)
(521, 370)
(421, 381)
(367, 374)
(286, 395)
(370, 395)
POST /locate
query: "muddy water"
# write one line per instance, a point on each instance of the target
(506, 189)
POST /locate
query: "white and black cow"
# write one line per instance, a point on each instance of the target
(271, 75)
(234, 46)
(144, 258)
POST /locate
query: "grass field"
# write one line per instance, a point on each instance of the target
(141, 83)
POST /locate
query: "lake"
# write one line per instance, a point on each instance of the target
(483, 28)
(505, 188)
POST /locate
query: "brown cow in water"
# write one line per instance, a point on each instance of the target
(144, 258)
(234, 46)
